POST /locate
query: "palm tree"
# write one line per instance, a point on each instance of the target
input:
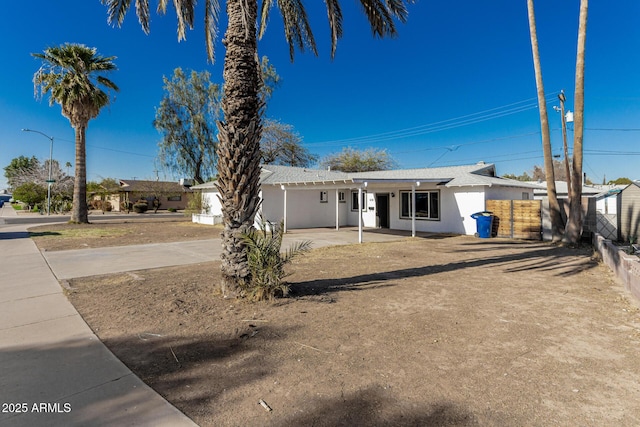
(574, 224)
(72, 74)
(239, 138)
(554, 207)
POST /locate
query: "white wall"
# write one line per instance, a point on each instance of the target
(304, 208)
(607, 204)
(469, 202)
(210, 198)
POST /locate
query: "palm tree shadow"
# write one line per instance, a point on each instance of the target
(559, 261)
(371, 407)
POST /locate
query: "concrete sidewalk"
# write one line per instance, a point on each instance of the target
(53, 370)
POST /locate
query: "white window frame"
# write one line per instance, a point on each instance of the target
(421, 215)
(324, 198)
(342, 197)
(354, 199)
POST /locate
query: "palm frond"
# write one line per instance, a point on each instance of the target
(266, 260)
(265, 9)
(399, 9)
(334, 12)
(185, 14)
(116, 10)
(297, 30)
(211, 19)
(162, 7)
(142, 11)
(380, 17)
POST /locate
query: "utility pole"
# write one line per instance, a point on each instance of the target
(562, 98)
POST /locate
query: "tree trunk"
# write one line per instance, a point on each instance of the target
(574, 225)
(556, 218)
(79, 211)
(239, 143)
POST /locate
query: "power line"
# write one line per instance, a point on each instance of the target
(615, 129)
(109, 149)
(438, 126)
(454, 147)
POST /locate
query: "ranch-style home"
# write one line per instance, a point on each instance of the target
(170, 194)
(437, 200)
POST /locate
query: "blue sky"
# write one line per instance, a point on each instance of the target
(455, 87)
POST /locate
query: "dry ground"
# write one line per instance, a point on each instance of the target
(454, 331)
(101, 234)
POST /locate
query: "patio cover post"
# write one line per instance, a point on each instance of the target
(284, 220)
(360, 214)
(337, 209)
(413, 208)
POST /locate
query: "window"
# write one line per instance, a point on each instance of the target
(525, 196)
(342, 198)
(354, 201)
(427, 204)
(323, 197)
(174, 198)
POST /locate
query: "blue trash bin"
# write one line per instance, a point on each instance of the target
(484, 221)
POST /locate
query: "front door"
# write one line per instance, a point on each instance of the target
(382, 212)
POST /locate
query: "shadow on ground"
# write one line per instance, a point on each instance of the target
(7, 235)
(561, 261)
(370, 407)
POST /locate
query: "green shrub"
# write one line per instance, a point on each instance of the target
(30, 193)
(267, 262)
(172, 210)
(140, 206)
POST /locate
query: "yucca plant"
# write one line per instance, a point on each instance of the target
(267, 261)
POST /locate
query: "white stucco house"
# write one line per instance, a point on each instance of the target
(438, 200)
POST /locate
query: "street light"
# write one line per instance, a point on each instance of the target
(49, 181)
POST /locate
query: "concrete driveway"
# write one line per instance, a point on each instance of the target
(91, 262)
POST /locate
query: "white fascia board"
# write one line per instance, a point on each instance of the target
(399, 180)
(331, 185)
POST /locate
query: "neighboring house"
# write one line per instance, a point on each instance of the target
(562, 191)
(629, 214)
(171, 194)
(444, 198)
(607, 201)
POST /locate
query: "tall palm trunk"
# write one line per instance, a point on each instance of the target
(79, 211)
(574, 225)
(554, 207)
(239, 142)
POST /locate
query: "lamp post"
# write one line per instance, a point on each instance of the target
(50, 180)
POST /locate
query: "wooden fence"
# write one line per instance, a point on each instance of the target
(516, 219)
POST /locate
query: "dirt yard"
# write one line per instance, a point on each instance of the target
(453, 331)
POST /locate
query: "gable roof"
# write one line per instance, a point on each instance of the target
(276, 174)
(563, 188)
(480, 174)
